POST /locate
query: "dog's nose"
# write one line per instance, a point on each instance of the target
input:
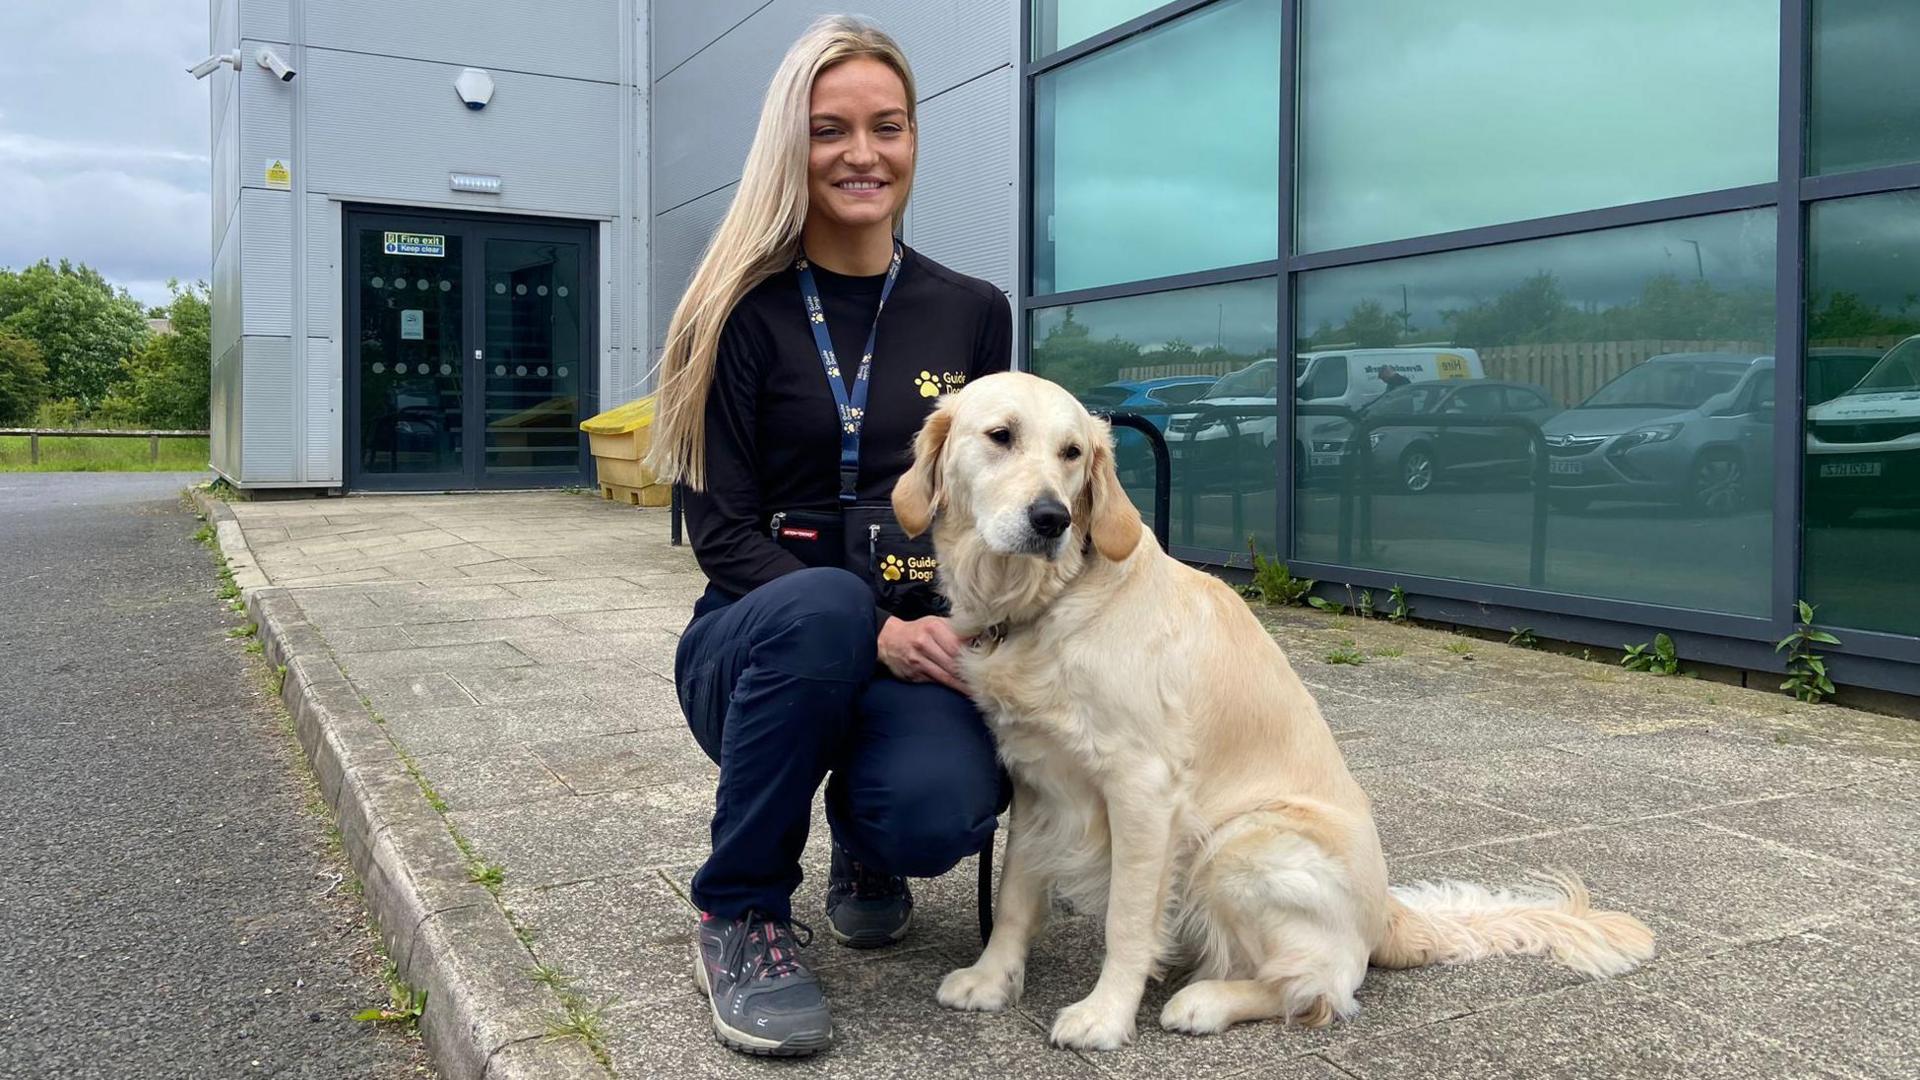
(1049, 517)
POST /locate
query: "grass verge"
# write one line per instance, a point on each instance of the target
(79, 454)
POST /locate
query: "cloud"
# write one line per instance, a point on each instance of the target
(129, 225)
(104, 139)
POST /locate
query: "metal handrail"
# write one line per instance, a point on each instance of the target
(1357, 469)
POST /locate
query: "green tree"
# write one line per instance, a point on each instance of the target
(83, 326)
(167, 379)
(23, 379)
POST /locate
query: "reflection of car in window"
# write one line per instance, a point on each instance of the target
(1330, 382)
(1414, 458)
(1130, 453)
(1863, 446)
(1689, 428)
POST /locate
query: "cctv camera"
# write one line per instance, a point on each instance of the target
(270, 60)
(212, 63)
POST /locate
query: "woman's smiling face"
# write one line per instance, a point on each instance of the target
(861, 145)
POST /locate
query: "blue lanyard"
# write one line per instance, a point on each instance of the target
(852, 410)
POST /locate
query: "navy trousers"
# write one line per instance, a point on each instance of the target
(781, 688)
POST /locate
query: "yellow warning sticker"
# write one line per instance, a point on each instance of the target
(279, 176)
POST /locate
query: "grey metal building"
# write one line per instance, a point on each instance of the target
(416, 290)
(1660, 254)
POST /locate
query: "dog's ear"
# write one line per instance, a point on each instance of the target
(1114, 522)
(917, 494)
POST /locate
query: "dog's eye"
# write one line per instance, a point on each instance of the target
(1001, 436)
(1071, 453)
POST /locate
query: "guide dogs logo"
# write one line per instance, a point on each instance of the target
(931, 385)
(891, 568)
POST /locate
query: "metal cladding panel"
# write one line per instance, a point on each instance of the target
(266, 394)
(949, 42)
(964, 203)
(324, 424)
(393, 129)
(268, 20)
(266, 119)
(322, 254)
(577, 39)
(223, 35)
(680, 237)
(225, 332)
(706, 110)
(226, 172)
(684, 27)
(266, 256)
(223, 411)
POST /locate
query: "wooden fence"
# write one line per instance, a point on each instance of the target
(34, 435)
(1570, 371)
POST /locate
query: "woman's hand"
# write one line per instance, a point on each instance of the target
(922, 650)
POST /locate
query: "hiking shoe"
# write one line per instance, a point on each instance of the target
(866, 909)
(764, 1000)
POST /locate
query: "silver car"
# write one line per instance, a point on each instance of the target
(1689, 428)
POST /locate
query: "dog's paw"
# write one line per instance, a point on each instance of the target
(1089, 1025)
(980, 988)
(1196, 1010)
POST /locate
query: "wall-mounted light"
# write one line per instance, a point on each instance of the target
(474, 182)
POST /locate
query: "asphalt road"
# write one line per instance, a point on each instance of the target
(168, 908)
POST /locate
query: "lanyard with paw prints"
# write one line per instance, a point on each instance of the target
(852, 408)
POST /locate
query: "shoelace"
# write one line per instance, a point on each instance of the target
(871, 884)
(779, 948)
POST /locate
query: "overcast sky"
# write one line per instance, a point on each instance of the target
(104, 139)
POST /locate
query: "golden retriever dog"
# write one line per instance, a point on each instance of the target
(1172, 774)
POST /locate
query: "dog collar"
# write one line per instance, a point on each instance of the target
(993, 635)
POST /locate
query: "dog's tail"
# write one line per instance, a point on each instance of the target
(1449, 922)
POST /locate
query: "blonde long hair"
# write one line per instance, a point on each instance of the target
(759, 236)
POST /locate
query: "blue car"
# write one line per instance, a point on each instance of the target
(1131, 455)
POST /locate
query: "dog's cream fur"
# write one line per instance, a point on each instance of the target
(1171, 771)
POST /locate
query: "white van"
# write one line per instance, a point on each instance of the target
(1863, 447)
(1342, 378)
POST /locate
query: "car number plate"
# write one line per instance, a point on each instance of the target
(1566, 468)
(1849, 468)
(1318, 460)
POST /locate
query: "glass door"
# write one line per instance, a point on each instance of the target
(535, 359)
(408, 389)
(469, 351)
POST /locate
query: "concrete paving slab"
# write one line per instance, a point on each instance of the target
(486, 656)
(399, 693)
(488, 775)
(1413, 817)
(619, 762)
(624, 938)
(1836, 995)
(651, 649)
(1734, 887)
(1736, 765)
(507, 685)
(1854, 828)
(469, 728)
(574, 771)
(1607, 1029)
(1554, 786)
(573, 839)
(883, 1027)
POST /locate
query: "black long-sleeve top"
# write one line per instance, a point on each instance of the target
(772, 430)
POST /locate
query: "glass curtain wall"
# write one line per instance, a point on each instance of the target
(1153, 248)
(1610, 303)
